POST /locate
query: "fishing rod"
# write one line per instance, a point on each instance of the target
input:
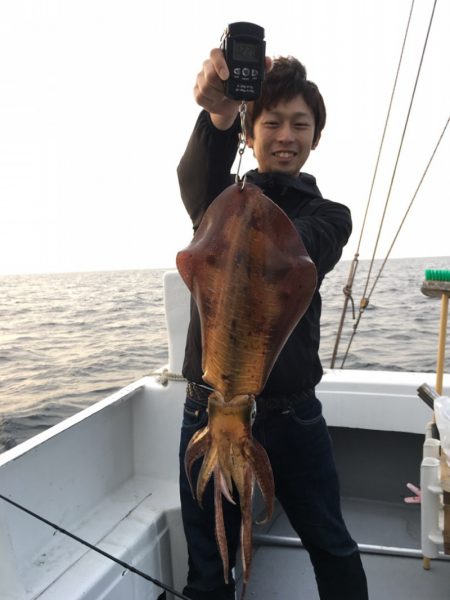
(120, 562)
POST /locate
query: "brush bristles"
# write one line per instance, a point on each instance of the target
(437, 282)
(437, 275)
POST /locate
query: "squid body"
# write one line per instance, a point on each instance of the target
(252, 280)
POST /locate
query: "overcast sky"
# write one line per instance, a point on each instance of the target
(96, 108)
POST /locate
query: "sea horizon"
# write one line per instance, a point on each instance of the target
(173, 267)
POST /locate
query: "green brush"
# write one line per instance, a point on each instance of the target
(437, 285)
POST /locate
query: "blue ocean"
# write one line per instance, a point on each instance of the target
(68, 340)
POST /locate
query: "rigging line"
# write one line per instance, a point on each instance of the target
(388, 115)
(366, 299)
(394, 172)
(409, 207)
(123, 564)
(347, 297)
(354, 265)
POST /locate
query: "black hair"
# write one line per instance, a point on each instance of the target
(286, 80)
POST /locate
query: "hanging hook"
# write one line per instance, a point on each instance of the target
(242, 143)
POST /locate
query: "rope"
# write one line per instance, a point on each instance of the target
(354, 265)
(122, 563)
(366, 297)
(164, 376)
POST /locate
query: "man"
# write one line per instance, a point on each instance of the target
(284, 125)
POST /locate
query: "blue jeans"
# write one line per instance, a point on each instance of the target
(299, 448)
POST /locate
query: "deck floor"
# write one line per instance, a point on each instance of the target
(285, 573)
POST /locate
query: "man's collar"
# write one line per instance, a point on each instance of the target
(304, 182)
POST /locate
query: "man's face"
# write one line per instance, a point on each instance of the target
(283, 137)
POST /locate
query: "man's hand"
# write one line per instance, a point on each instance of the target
(209, 90)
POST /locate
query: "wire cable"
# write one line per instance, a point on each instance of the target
(409, 207)
(399, 151)
(366, 297)
(354, 265)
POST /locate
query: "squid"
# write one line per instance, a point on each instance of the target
(252, 280)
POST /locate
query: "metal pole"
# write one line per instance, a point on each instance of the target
(293, 542)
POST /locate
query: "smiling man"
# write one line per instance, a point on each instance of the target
(283, 126)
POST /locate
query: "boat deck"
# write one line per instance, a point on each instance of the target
(284, 572)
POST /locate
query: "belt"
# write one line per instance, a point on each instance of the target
(264, 404)
(198, 392)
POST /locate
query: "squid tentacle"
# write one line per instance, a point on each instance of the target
(246, 523)
(226, 468)
(236, 460)
(196, 449)
(225, 488)
(263, 474)
(206, 470)
(220, 524)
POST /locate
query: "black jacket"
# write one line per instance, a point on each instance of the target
(325, 226)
